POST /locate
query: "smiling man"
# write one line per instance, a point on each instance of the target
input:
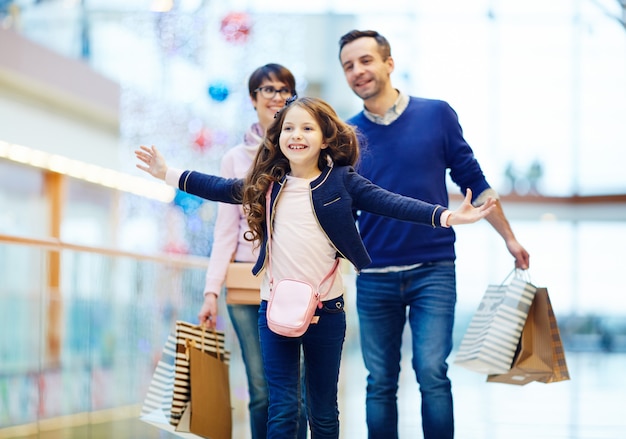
(410, 145)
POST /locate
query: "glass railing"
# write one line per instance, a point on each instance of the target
(92, 343)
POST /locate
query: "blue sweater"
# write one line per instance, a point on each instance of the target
(411, 156)
(336, 194)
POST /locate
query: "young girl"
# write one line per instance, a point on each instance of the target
(308, 153)
(269, 87)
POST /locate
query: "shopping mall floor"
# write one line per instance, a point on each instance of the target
(589, 406)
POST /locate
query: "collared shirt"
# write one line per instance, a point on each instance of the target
(392, 113)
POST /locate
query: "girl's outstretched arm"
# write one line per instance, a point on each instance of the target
(209, 187)
(467, 214)
(155, 162)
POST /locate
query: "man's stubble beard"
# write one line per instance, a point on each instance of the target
(368, 94)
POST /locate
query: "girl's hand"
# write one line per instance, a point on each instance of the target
(156, 165)
(467, 214)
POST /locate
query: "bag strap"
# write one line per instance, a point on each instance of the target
(218, 352)
(333, 271)
(189, 343)
(517, 273)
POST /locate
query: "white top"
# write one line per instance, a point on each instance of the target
(300, 248)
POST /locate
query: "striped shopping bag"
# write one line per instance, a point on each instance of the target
(494, 332)
(158, 401)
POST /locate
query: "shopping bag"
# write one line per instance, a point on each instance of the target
(210, 410)
(540, 356)
(493, 334)
(560, 372)
(157, 404)
(213, 340)
(243, 287)
(167, 397)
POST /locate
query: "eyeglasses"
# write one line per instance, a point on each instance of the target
(268, 92)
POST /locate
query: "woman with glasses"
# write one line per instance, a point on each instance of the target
(269, 86)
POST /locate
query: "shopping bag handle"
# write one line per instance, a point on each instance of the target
(519, 273)
(217, 344)
(192, 343)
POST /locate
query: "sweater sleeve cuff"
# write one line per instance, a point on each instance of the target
(435, 219)
(444, 218)
(172, 176)
(484, 195)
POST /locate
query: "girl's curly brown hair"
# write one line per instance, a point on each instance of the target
(271, 165)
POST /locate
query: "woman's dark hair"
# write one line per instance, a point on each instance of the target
(274, 72)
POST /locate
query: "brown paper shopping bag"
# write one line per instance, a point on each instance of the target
(540, 356)
(560, 372)
(211, 411)
(212, 341)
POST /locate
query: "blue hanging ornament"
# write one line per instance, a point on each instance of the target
(218, 91)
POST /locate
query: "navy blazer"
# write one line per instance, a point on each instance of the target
(338, 194)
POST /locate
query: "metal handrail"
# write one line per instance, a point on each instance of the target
(55, 244)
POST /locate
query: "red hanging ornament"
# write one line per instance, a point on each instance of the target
(203, 139)
(236, 27)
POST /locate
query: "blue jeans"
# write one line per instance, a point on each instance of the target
(245, 320)
(429, 293)
(322, 344)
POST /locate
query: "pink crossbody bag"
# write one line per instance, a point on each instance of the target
(292, 302)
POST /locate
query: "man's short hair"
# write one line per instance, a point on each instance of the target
(383, 45)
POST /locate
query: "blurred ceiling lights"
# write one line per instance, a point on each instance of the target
(87, 172)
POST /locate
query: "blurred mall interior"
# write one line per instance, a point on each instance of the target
(97, 261)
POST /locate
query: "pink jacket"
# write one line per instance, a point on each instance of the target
(230, 224)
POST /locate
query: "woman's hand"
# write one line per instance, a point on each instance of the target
(467, 214)
(208, 313)
(156, 165)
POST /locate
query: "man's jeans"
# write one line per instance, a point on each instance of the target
(429, 292)
(245, 320)
(322, 345)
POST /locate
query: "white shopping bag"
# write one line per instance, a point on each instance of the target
(494, 332)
